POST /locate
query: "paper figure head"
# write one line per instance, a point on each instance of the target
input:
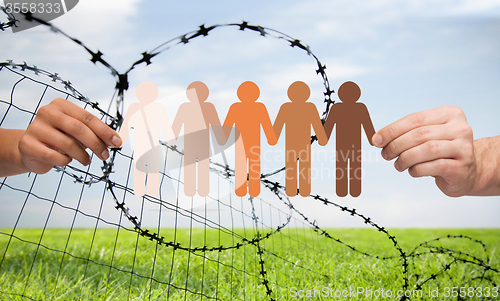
(197, 92)
(248, 92)
(349, 92)
(299, 92)
(146, 92)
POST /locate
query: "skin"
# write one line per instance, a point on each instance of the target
(60, 132)
(439, 143)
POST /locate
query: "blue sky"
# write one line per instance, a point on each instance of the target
(406, 56)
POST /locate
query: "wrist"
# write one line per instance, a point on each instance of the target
(487, 158)
(11, 161)
(16, 157)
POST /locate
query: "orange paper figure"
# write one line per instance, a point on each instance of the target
(248, 116)
(146, 116)
(349, 117)
(298, 116)
(197, 116)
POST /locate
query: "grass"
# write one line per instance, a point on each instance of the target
(117, 265)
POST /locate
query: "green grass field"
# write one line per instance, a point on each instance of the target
(119, 265)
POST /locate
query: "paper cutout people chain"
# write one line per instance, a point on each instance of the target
(297, 117)
(247, 117)
(349, 117)
(197, 116)
(146, 116)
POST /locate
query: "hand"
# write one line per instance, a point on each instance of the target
(60, 133)
(437, 143)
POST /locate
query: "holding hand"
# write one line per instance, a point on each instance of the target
(437, 143)
(60, 133)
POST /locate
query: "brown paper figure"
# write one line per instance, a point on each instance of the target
(147, 117)
(197, 116)
(349, 117)
(248, 116)
(298, 116)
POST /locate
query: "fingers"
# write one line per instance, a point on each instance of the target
(80, 132)
(62, 131)
(440, 133)
(435, 168)
(435, 116)
(437, 143)
(52, 157)
(40, 158)
(99, 128)
(80, 128)
(64, 144)
(449, 124)
(417, 137)
(428, 151)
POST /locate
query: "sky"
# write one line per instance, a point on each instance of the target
(406, 56)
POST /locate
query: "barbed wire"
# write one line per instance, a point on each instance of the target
(11, 20)
(86, 178)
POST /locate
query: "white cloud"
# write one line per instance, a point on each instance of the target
(99, 19)
(368, 38)
(339, 70)
(348, 21)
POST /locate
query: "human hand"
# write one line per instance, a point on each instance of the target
(60, 132)
(437, 143)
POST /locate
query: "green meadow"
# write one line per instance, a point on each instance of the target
(299, 264)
